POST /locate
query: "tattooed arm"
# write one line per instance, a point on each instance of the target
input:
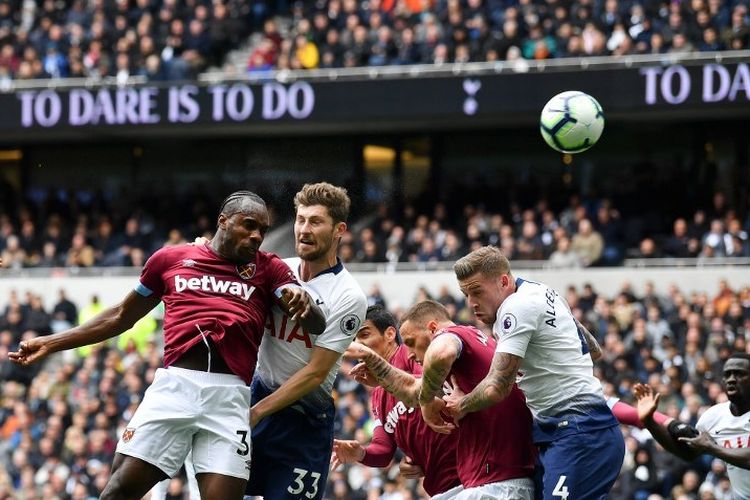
(595, 349)
(403, 386)
(494, 388)
(438, 361)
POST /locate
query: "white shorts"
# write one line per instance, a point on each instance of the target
(189, 409)
(512, 489)
(448, 495)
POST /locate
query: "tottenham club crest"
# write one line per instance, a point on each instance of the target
(127, 434)
(247, 271)
(508, 323)
(349, 324)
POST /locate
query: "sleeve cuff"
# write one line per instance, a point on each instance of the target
(143, 290)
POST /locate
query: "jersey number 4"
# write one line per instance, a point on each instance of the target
(298, 486)
(560, 489)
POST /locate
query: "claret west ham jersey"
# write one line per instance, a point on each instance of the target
(206, 295)
(494, 444)
(405, 428)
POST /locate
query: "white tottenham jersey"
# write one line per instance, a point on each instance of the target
(556, 374)
(730, 432)
(286, 347)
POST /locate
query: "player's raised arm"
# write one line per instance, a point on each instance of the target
(296, 302)
(438, 360)
(648, 400)
(105, 325)
(494, 388)
(403, 386)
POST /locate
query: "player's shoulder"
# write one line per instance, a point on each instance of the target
(177, 252)
(460, 331)
(529, 288)
(714, 414)
(527, 297)
(293, 263)
(262, 257)
(341, 286)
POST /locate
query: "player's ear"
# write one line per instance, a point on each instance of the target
(432, 326)
(222, 222)
(390, 334)
(339, 229)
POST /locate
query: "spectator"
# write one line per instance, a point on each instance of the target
(587, 243)
(648, 250)
(564, 257)
(81, 254)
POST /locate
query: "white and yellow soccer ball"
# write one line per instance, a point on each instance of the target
(571, 122)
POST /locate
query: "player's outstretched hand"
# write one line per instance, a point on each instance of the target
(703, 442)
(431, 413)
(409, 469)
(346, 452)
(297, 301)
(362, 374)
(30, 351)
(647, 399)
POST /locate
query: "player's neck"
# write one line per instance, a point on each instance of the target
(308, 269)
(739, 408)
(444, 324)
(217, 245)
(390, 351)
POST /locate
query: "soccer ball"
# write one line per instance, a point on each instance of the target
(571, 122)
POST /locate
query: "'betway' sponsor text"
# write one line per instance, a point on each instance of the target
(211, 284)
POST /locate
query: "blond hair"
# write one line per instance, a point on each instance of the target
(334, 198)
(488, 260)
(425, 311)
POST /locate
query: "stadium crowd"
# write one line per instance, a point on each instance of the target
(161, 40)
(60, 421)
(83, 229)
(170, 40)
(348, 33)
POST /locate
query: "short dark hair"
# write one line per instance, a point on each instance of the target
(739, 355)
(382, 319)
(238, 202)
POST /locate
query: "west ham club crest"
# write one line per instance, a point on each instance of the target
(247, 271)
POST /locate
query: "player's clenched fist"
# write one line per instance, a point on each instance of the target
(409, 469)
(30, 351)
(297, 301)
